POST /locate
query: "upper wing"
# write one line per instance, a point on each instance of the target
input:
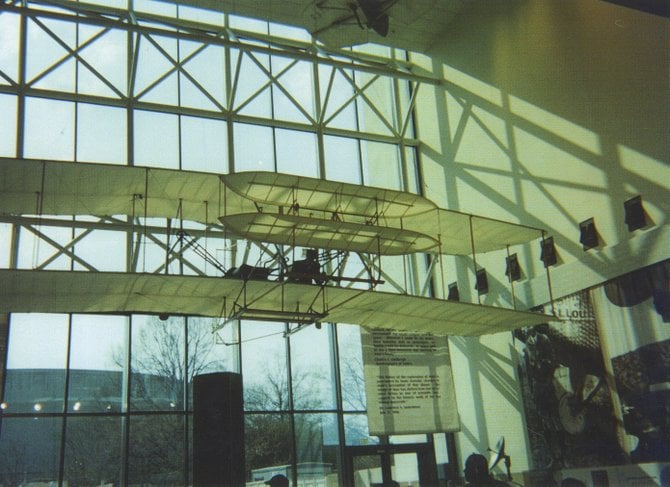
(102, 189)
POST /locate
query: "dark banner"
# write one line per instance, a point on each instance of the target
(566, 394)
(633, 313)
(596, 385)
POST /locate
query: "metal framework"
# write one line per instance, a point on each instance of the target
(340, 82)
(241, 48)
(77, 32)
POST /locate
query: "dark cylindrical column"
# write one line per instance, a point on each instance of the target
(218, 430)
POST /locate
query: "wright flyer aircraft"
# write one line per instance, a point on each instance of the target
(305, 229)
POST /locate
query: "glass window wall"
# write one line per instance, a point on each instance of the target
(107, 399)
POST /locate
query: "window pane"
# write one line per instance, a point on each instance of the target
(7, 121)
(193, 257)
(156, 137)
(252, 96)
(342, 159)
(254, 148)
(248, 24)
(104, 250)
(155, 79)
(356, 430)
(122, 4)
(405, 439)
(35, 251)
(204, 145)
(405, 466)
(156, 454)
(296, 80)
(107, 56)
(97, 360)
(374, 49)
(101, 134)
(36, 361)
(441, 450)
(311, 371)
(189, 450)
(396, 271)
(9, 40)
(154, 7)
(405, 104)
(45, 52)
(380, 96)
(206, 353)
(157, 364)
(317, 449)
(49, 128)
(381, 165)
(413, 183)
(202, 84)
(5, 244)
(268, 445)
(297, 153)
(200, 15)
(351, 367)
(290, 32)
(93, 447)
(152, 247)
(220, 250)
(337, 98)
(354, 268)
(264, 369)
(367, 468)
(29, 451)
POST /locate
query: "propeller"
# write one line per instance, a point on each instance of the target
(499, 451)
(375, 13)
(501, 455)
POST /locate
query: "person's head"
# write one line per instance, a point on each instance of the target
(476, 468)
(277, 481)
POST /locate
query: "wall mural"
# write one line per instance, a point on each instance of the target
(633, 313)
(596, 386)
(569, 412)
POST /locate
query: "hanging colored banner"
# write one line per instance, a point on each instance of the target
(408, 383)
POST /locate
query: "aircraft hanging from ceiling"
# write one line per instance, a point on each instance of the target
(329, 220)
(414, 25)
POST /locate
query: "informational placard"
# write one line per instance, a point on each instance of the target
(408, 383)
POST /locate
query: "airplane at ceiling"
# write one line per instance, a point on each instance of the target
(327, 219)
(413, 25)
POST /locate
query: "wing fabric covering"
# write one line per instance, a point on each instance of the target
(365, 218)
(110, 292)
(31, 187)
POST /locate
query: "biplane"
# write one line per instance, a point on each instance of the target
(327, 220)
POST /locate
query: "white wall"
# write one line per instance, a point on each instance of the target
(551, 113)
